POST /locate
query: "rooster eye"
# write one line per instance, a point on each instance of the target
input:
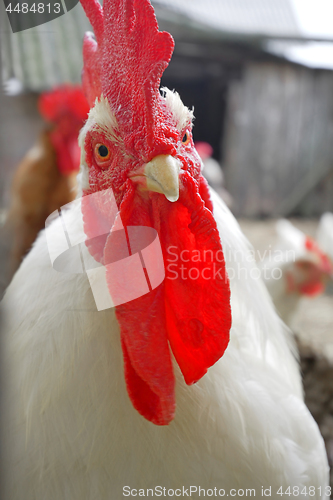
(102, 152)
(186, 138)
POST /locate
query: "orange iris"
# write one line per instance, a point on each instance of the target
(186, 138)
(102, 153)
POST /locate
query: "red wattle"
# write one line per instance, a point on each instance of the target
(147, 362)
(204, 193)
(197, 293)
(148, 369)
(191, 313)
(312, 289)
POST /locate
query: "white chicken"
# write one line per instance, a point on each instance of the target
(75, 426)
(325, 234)
(212, 171)
(297, 267)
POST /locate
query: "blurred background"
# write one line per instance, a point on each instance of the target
(259, 74)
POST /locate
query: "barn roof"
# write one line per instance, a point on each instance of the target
(244, 17)
(50, 54)
(46, 55)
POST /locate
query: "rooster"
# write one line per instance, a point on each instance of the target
(298, 267)
(46, 177)
(193, 384)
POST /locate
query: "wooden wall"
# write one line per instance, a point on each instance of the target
(278, 148)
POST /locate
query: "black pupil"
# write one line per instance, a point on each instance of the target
(103, 151)
(184, 138)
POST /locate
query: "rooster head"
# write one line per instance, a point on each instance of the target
(66, 108)
(310, 268)
(138, 142)
(311, 272)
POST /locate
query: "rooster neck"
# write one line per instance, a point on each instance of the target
(67, 386)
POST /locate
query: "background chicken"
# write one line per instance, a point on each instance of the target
(297, 267)
(46, 177)
(212, 171)
(95, 400)
(325, 234)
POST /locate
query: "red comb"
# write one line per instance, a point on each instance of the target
(127, 60)
(65, 100)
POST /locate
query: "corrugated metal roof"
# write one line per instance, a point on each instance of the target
(46, 55)
(49, 54)
(251, 17)
(317, 55)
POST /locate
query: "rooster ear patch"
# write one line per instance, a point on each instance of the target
(182, 115)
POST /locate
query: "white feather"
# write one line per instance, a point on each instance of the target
(182, 115)
(325, 233)
(72, 433)
(101, 116)
(103, 119)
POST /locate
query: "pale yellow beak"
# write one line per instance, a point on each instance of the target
(161, 176)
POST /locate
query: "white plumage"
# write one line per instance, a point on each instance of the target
(71, 431)
(325, 233)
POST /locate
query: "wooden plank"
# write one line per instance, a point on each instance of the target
(279, 137)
